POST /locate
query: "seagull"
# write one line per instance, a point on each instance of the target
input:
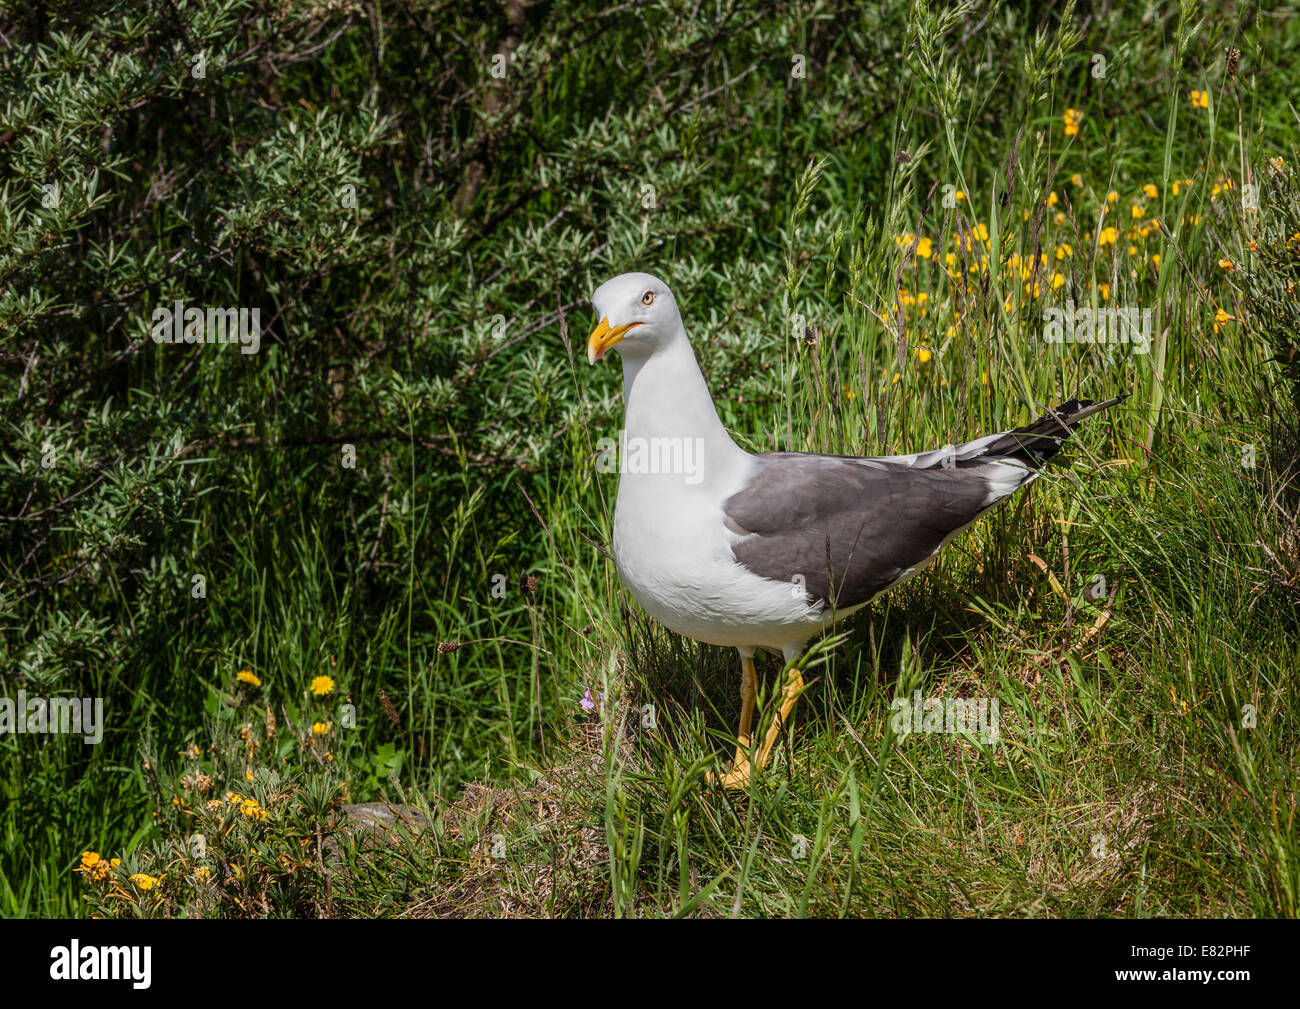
(767, 550)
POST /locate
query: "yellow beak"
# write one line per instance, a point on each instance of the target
(603, 337)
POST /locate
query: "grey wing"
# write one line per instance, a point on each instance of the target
(853, 527)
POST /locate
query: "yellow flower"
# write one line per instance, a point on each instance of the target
(1076, 180)
(320, 728)
(1064, 250)
(959, 196)
(247, 676)
(1138, 212)
(322, 685)
(923, 355)
(1200, 99)
(1221, 317)
(251, 809)
(924, 248)
(1226, 264)
(1176, 187)
(248, 775)
(1112, 196)
(982, 232)
(1252, 245)
(1151, 191)
(144, 881)
(1060, 219)
(1107, 236)
(1073, 117)
(1132, 250)
(1052, 198)
(1104, 289)
(202, 875)
(1155, 258)
(1057, 281)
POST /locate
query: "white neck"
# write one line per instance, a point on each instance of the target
(665, 396)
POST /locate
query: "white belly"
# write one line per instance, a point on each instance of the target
(674, 556)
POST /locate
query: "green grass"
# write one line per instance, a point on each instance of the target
(1148, 742)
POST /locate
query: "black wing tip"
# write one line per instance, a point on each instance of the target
(1073, 406)
(1037, 442)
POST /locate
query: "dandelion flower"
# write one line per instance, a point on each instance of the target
(249, 677)
(322, 685)
(94, 867)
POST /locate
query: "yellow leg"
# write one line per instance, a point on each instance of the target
(789, 694)
(748, 691)
(739, 775)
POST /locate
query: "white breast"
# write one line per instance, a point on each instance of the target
(673, 554)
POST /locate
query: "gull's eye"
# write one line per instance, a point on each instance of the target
(648, 298)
